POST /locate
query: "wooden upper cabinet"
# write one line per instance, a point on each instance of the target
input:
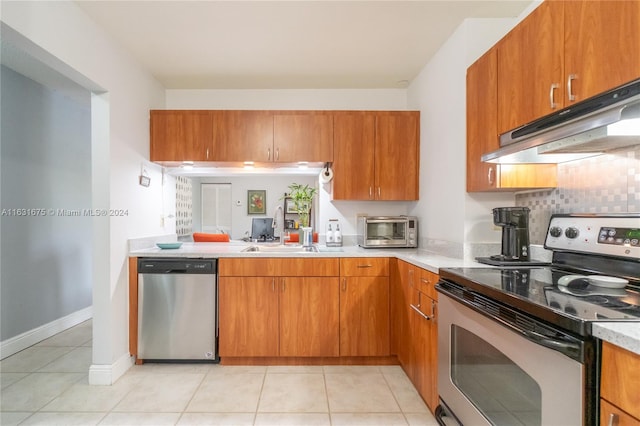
(482, 121)
(376, 155)
(180, 135)
(302, 136)
(397, 156)
(240, 136)
(530, 67)
(602, 45)
(565, 52)
(482, 137)
(353, 163)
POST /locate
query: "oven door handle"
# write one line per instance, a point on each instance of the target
(571, 349)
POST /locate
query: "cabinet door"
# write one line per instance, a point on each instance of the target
(178, 136)
(482, 121)
(353, 163)
(364, 316)
(530, 61)
(240, 136)
(602, 45)
(620, 382)
(401, 283)
(248, 315)
(424, 361)
(610, 415)
(397, 156)
(482, 137)
(309, 312)
(303, 137)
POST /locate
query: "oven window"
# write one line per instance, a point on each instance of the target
(498, 388)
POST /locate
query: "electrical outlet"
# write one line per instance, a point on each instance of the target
(238, 203)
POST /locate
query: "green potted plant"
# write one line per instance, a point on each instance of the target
(302, 198)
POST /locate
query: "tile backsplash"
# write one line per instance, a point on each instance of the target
(608, 183)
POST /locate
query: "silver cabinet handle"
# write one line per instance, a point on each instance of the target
(490, 175)
(378, 193)
(268, 154)
(570, 94)
(207, 153)
(370, 192)
(424, 280)
(273, 284)
(277, 154)
(552, 90)
(613, 419)
(344, 284)
(417, 309)
(365, 266)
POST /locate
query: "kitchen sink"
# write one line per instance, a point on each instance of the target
(281, 249)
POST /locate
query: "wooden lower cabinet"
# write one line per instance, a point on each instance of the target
(364, 306)
(415, 334)
(289, 315)
(619, 387)
(364, 316)
(309, 316)
(248, 315)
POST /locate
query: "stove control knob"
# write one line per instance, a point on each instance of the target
(572, 232)
(555, 231)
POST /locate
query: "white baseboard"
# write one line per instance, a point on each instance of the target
(22, 341)
(104, 374)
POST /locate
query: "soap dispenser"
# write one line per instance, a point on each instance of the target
(337, 236)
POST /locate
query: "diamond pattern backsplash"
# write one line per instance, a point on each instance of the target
(609, 183)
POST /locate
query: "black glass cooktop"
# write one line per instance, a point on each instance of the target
(536, 291)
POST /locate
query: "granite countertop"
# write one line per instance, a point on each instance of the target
(416, 257)
(623, 334)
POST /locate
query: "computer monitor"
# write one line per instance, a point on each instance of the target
(262, 229)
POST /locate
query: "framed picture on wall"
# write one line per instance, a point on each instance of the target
(256, 201)
(290, 207)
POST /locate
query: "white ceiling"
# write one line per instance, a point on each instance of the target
(287, 44)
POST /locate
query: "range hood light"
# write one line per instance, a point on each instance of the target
(187, 165)
(629, 127)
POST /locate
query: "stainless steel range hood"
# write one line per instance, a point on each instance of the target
(596, 125)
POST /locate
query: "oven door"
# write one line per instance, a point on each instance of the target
(489, 374)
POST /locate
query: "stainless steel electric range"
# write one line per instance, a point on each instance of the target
(516, 344)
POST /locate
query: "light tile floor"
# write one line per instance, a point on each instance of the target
(46, 384)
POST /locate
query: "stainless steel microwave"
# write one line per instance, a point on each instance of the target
(387, 231)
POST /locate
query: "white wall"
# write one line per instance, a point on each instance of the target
(46, 164)
(61, 35)
(355, 99)
(439, 92)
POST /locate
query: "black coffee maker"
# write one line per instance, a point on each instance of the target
(515, 238)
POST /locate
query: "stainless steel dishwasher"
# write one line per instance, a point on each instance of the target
(177, 309)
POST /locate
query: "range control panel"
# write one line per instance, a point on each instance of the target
(615, 235)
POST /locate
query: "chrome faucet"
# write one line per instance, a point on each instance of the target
(278, 223)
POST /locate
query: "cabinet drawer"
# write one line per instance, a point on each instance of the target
(612, 415)
(621, 378)
(279, 266)
(427, 282)
(364, 267)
